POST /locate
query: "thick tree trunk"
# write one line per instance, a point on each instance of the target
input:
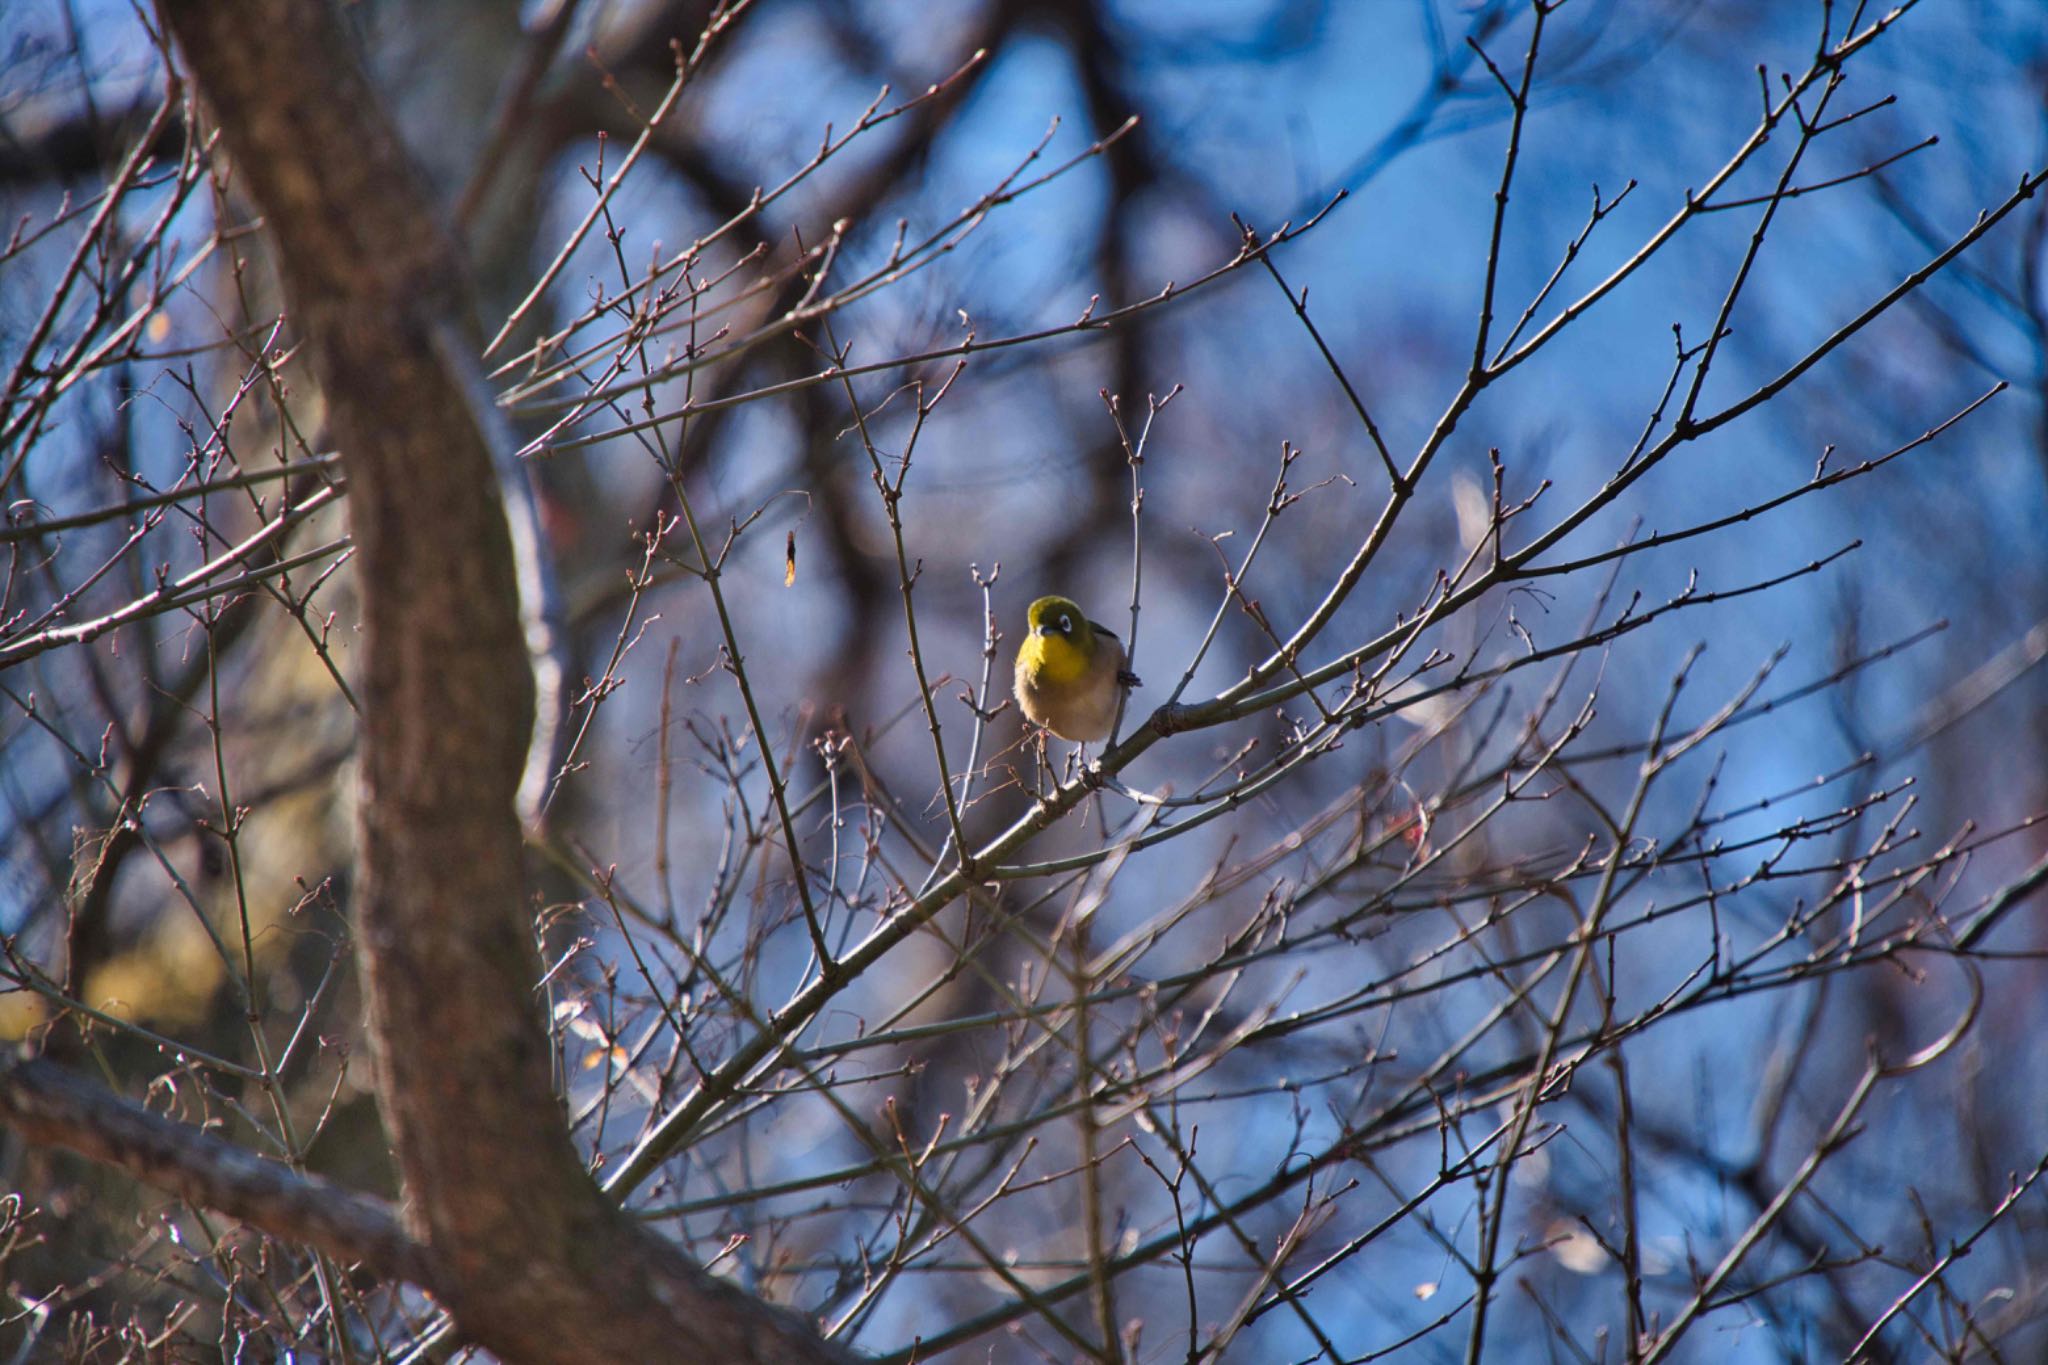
(534, 1262)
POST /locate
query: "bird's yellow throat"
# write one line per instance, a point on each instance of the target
(1052, 659)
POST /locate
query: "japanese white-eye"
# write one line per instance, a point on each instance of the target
(1070, 671)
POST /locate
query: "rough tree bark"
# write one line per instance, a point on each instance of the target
(531, 1258)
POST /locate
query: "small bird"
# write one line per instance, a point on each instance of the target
(1070, 672)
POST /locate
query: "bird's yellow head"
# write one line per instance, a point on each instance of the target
(1061, 641)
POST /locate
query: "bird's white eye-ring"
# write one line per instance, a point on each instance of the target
(1066, 624)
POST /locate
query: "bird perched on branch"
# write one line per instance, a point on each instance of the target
(1070, 672)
